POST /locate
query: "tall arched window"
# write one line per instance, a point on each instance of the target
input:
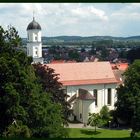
(95, 91)
(109, 96)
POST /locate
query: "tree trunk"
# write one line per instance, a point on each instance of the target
(95, 128)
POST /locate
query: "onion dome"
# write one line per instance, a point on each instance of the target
(34, 25)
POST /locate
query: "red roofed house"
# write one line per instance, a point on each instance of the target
(90, 86)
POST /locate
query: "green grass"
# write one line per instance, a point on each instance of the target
(88, 133)
(101, 133)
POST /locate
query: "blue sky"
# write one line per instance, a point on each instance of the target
(83, 19)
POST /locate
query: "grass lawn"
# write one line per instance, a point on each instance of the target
(87, 133)
(101, 133)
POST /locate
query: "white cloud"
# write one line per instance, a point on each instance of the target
(74, 18)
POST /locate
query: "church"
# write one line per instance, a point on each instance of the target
(89, 85)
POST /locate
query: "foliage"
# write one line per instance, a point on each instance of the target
(128, 103)
(74, 55)
(105, 115)
(134, 134)
(17, 130)
(22, 97)
(100, 119)
(133, 54)
(49, 80)
(94, 119)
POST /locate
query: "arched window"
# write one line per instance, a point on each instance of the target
(109, 96)
(95, 91)
(36, 52)
(35, 38)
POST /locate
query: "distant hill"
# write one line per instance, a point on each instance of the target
(135, 38)
(78, 39)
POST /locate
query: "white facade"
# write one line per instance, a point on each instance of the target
(34, 45)
(81, 108)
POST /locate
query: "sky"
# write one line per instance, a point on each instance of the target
(74, 19)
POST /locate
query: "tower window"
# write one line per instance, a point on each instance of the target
(96, 96)
(36, 38)
(109, 96)
(36, 52)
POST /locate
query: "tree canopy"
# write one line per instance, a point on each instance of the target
(49, 80)
(128, 103)
(24, 105)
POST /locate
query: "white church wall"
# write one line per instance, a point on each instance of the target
(101, 99)
(86, 109)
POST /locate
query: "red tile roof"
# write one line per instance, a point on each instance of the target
(119, 76)
(62, 61)
(120, 66)
(84, 73)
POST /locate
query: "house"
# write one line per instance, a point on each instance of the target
(90, 86)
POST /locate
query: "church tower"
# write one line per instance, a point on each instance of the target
(34, 44)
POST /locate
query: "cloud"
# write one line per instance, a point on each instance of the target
(117, 19)
(89, 12)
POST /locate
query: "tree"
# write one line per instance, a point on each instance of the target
(128, 103)
(94, 119)
(25, 108)
(105, 115)
(133, 54)
(49, 80)
(74, 55)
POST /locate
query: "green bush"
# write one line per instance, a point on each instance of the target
(135, 134)
(17, 130)
(105, 116)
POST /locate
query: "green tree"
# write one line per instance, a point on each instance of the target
(74, 55)
(49, 80)
(23, 101)
(128, 102)
(94, 120)
(105, 115)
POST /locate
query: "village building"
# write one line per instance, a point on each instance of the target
(90, 86)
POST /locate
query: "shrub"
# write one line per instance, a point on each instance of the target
(17, 130)
(105, 116)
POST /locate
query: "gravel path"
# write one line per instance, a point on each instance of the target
(78, 125)
(81, 125)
